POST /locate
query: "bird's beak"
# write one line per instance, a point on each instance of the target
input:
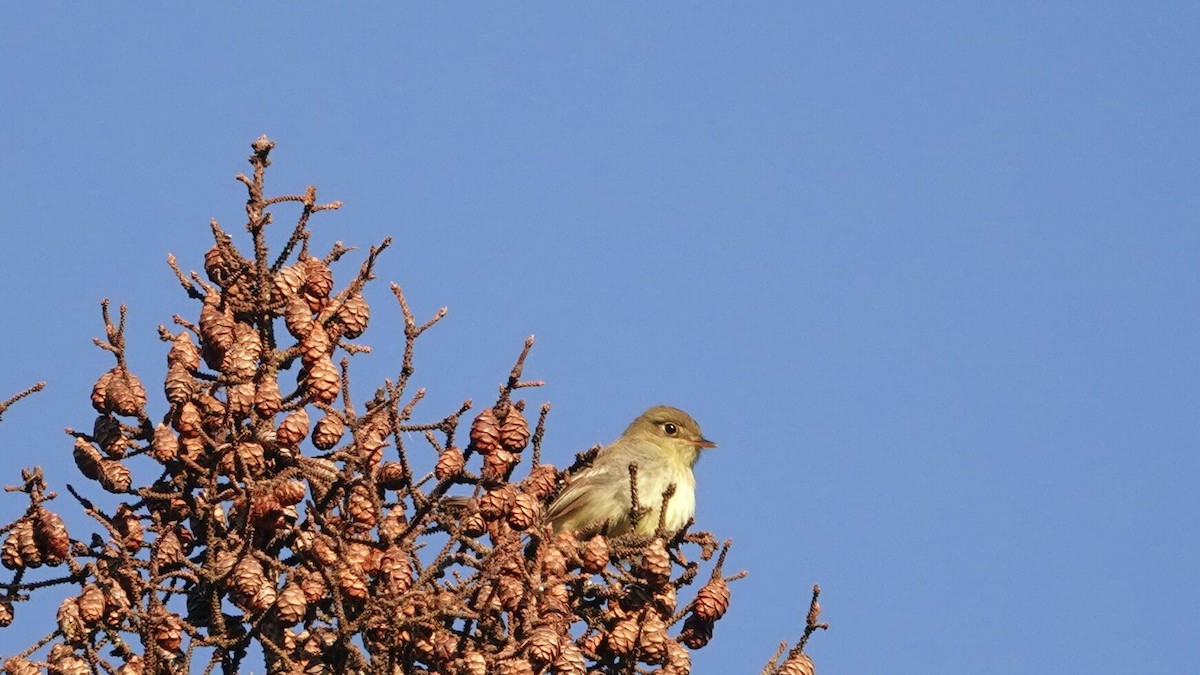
(705, 443)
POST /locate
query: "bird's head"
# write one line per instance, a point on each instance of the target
(671, 429)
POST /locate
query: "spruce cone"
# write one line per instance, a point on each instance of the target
(713, 600)
(354, 315)
(514, 432)
(797, 664)
(293, 428)
(485, 433)
(450, 464)
(328, 432)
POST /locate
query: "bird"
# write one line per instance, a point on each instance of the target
(665, 443)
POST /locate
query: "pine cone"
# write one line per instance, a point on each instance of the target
(293, 429)
(450, 464)
(713, 600)
(328, 432)
(485, 433)
(514, 432)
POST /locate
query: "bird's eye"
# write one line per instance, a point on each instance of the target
(671, 429)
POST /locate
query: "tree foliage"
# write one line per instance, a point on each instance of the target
(266, 507)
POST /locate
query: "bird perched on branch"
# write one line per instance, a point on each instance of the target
(664, 444)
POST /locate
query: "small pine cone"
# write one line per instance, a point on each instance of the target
(100, 392)
(395, 569)
(252, 458)
(473, 663)
(292, 605)
(541, 481)
(50, 533)
(318, 279)
(164, 446)
(241, 359)
(316, 345)
(218, 269)
(185, 418)
(124, 394)
(248, 576)
(360, 507)
(392, 526)
(70, 622)
(115, 476)
(450, 464)
(322, 382)
(391, 475)
(570, 660)
(358, 554)
(313, 585)
(289, 280)
(290, 492)
(543, 645)
(216, 324)
(653, 641)
(554, 563)
(298, 317)
(555, 598)
(595, 555)
(323, 550)
(91, 604)
(474, 524)
(183, 353)
(10, 551)
(352, 582)
(293, 428)
(679, 661)
(485, 432)
(179, 386)
(241, 400)
(623, 637)
(31, 554)
(712, 600)
(514, 432)
(524, 512)
(495, 502)
(497, 466)
(328, 432)
(267, 398)
(168, 631)
(354, 315)
(134, 665)
(511, 592)
(655, 564)
(696, 632)
(797, 664)
(107, 432)
(20, 666)
(168, 550)
(6, 614)
(63, 661)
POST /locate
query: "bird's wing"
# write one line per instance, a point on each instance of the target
(595, 494)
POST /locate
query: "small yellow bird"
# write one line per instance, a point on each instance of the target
(665, 443)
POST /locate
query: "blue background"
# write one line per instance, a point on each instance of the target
(927, 274)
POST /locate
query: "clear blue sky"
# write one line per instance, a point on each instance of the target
(928, 275)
